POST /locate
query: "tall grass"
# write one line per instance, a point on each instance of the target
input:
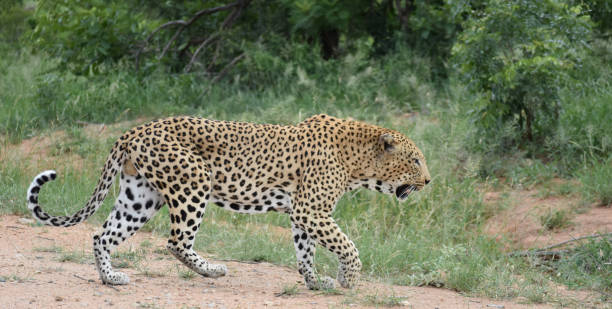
(34, 95)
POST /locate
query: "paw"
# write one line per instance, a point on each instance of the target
(344, 281)
(214, 271)
(116, 278)
(326, 283)
(321, 283)
(349, 276)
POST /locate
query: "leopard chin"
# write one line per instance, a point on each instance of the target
(404, 190)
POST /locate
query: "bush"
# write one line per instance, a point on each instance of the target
(555, 219)
(596, 182)
(601, 13)
(433, 28)
(588, 266)
(86, 34)
(584, 134)
(519, 54)
(13, 19)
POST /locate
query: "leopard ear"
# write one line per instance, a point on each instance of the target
(387, 142)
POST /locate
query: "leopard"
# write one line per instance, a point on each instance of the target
(300, 170)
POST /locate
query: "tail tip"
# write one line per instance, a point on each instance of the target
(46, 176)
(37, 183)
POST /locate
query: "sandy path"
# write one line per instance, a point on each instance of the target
(33, 277)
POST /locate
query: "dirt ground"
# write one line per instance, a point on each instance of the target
(520, 220)
(34, 276)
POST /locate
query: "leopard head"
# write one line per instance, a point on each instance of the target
(399, 166)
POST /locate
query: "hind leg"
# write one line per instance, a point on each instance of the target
(136, 204)
(186, 211)
(184, 181)
(184, 226)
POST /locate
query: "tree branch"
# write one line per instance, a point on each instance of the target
(545, 251)
(222, 73)
(146, 41)
(238, 5)
(227, 67)
(212, 37)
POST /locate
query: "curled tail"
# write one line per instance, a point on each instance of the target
(112, 166)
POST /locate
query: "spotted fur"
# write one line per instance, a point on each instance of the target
(302, 170)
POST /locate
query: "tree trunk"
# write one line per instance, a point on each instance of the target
(330, 38)
(528, 124)
(403, 12)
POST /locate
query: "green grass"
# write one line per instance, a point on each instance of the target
(51, 249)
(186, 274)
(384, 301)
(555, 219)
(19, 278)
(128, 258)
(588, 266)
(289, 290)
(596, 182)
(79, 257)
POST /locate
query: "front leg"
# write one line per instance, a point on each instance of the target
(328, 234)
(316, 198)
(331, 237)
(304, 251)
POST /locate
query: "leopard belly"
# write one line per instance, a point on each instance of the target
(270, 200)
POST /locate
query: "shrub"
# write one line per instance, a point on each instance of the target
(596, 181)
(86, 34)
(519, 54)
(555, 219)
(13, 19)
(584, 134)
(588, 266)
(601, 13)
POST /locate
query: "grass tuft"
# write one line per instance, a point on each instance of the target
(289, 290)
(74, 257)
(555, 219)
(588, 266)
(384, 301)
(186, 274)
(596, 181)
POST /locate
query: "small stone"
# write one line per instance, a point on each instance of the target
(404, 303)
(26, 221)
(98, 293)
(59, 298)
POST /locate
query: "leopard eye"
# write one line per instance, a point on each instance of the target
(417, 162)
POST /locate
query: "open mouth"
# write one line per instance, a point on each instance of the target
(403, 191)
